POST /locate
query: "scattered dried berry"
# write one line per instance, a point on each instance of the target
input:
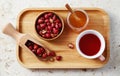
(52, 53)
(58, 58)
(70, 45)
(41, 52)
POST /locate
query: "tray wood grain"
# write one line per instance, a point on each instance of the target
(99, 20)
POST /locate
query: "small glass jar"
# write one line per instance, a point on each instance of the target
(78, 29)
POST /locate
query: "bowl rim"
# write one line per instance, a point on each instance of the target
(61, 19)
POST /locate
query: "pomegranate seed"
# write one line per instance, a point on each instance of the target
(35, 47)
(55, 31)
(42, 26)
(70, 45)
(40, 21)
(44, 55)
(58, 58)
(30, 47)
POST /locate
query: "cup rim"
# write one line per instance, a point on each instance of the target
(101, 38)
(83, 27)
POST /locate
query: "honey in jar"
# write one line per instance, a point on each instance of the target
(79, 21)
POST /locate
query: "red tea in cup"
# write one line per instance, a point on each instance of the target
(89, 44)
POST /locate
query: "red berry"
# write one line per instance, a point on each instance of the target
(46, 16)
(49, 32)
(57, 21)
(55, 31)
(47, 20)
(42, 49)
(49, 28)
(43, 25)
(57, 26)
(52, 53)
(39, 51)
(30, 47)
(35, 47)
(50, 14)
(60, 25)
(54, 17)
(52, 25)
(47, 35)
(70, 45)
(44, 55)
(48, 23)
(58, 58)
(40, 21)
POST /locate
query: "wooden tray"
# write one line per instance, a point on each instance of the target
(99, 21)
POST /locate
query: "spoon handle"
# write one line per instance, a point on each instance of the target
(11, 31)
(69, 8)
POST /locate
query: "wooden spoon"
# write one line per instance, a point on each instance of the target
(72, 12)
(22, 38)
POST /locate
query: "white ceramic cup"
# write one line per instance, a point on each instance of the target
(102, 47)
(81, 28)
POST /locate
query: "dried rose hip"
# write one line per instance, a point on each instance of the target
(70, 45)
(44, 55)
(35, 47)
(39, 51)
(58, 58)
(30, 47)
(52, 53)
(48, 25)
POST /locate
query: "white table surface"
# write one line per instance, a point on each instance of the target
(9, 10)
